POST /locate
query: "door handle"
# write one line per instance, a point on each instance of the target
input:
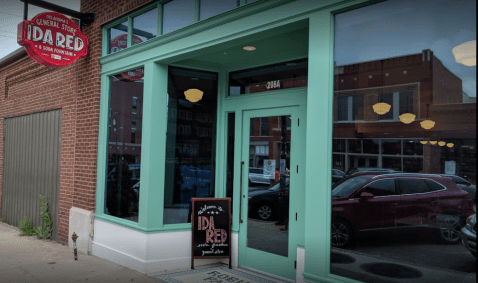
(240, 194)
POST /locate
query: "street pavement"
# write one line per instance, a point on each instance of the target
(29, 259)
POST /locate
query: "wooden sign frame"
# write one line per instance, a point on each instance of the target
(195, 202)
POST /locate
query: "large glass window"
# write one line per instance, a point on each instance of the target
(118, 37)
(145, 26)
(178, 14)
(124, 147)
(190, 141)
(405, 105)
(209, 8)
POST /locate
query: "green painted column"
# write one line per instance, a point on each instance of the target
(319, 147)
(155, 101)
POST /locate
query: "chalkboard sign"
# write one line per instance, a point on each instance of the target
(211, 223)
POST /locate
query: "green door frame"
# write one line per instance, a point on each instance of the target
(263, 261)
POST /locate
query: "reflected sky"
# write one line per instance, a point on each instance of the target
(403, 27)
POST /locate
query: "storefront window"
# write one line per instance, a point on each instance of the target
(145, 26)
(411, 141)
(178, 14)
(118, 37)
(209, 8)
(190, 141)
(124, 146)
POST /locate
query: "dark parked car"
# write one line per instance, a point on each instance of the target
(354, 170)
(468, 234)
(337, 175)
(369, 203)
(464, 185)
(264, 204)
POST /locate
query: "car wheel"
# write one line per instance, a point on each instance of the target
(264, 211)
(342, 234)
(449, 230)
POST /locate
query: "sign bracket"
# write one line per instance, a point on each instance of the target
(84, 18)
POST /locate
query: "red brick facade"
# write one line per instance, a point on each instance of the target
(26, 88)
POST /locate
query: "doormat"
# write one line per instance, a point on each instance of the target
(214, 274)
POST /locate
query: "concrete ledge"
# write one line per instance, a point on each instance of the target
(81, 222)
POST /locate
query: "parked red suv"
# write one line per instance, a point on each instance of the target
(372, 202)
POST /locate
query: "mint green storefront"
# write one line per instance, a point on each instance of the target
(282, 31)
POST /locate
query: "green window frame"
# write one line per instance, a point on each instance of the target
(159, 6)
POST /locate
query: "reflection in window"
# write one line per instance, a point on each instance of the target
(264, 126)
(392, 146)
(123, 170)
(145, 26)
(190, 142)
(387, 98)
(118, 37)
(354, 146)
(178, 14)
(209, 8)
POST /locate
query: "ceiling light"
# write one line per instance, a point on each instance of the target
(465, 53)
(427, 124)
(193, 94)
(433, 142)
(423, 142)
(249, 48)
(441, 143)
(450, 145)
(381, 108)
(410, 141)
(407, 118)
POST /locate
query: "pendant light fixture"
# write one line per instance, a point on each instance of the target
(381, 108)
(441, 143)
(407, 118)
(193, 95)
(433, 142)
(427, 124)
(465, 53)
(450, 144)
(423, 142)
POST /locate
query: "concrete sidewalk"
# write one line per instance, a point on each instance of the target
(28, 259)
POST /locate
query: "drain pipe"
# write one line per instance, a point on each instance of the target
(74, 237)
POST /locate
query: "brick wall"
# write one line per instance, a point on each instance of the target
(26, 88)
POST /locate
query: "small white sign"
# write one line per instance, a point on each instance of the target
(450, 167)
(269, 168)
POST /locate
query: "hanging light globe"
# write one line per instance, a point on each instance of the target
(441, 143)
(407, 118)
(193, 94)
(423, 142)
(427, 124)
(450, 144)
(381, 108)
(433, 142)
(465, 53)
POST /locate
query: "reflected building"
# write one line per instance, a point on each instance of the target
(418, 84)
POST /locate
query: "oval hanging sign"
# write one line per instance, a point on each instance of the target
(53, 40)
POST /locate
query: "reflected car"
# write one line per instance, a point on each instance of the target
(337, 175)
(468, 234)
(355, 170)
(256, 176)
(264, 204)
(374, 202)
(464, 185)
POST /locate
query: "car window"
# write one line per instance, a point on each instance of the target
(458, 180)
(352, 170)
(380, 188)
(348, 186)
(412, 186)
(434, 186)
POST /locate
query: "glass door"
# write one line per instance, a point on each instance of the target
(267, 238)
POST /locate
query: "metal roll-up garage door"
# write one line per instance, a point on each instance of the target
(31, 167)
